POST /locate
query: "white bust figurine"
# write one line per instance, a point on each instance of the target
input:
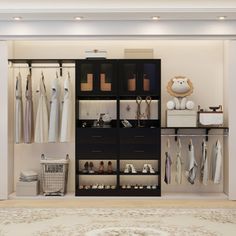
(180, 87)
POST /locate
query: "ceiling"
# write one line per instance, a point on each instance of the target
(96, 10)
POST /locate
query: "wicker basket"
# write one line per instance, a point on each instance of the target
(54, 176)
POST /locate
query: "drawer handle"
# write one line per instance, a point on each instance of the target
(96, 151)
(138, 150)
(96, 136)
(139, 136)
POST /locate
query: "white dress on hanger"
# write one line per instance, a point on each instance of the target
(192, 170)
(179, 163)
(204, 164)
(216, 163)
(41, 126)
(28, 120)
(66, 120)
(54, 112)
(18, 110)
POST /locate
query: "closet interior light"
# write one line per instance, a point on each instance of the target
(17, 18)
(78, 18)
(156, 17)
(222, 17)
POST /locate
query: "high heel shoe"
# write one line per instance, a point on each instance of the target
(109, 167)
(91, 169)
(150, 168)
(101, 167)
(86, 167)
(145, 169)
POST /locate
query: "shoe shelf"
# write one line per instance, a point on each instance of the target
(118, 88)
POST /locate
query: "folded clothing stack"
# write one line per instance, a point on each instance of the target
(28, 176)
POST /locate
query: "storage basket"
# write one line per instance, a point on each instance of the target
(54, 175)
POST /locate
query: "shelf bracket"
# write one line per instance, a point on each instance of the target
(60, 65)
(30, 66)
(176, 133)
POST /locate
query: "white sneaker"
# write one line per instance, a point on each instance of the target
(127, 169)
(133, 171)
(145, 169)
(151, 170)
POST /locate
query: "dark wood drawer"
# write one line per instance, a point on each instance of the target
(96, 135)
(96, 151)
(140, 135)
(142, 151)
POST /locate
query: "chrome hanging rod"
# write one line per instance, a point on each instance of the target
(193, 135)
(40, 67)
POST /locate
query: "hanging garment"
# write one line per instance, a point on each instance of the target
(168, 164)
(216, 163)
(192, 170)
(54, 112)
(18, 110)
(41, 126)
(66, 120)
(179, 163)
(28, 120)
(204, 164)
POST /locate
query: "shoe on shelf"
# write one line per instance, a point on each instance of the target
(128, 169)
(149, 187)
(128, 186)
(94, 186)
(150, 168)
(101, 167)
(107, 187)
(87, 187)
(136, 186)
(123, 186)
(109, 167)
(86, 167)
(81, 187)
(100, 186)
(145, 169)
(133, 171)
(91, 169)
(113, 187)
(141, 187)
(154, 187)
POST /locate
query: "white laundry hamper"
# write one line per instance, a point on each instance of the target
(54, 175)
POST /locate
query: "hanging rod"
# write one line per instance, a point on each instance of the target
(192, 135)
(40, 67)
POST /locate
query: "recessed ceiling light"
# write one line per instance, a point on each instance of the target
(222, 17)
(78, 18)
(17, 18)
(156, 17)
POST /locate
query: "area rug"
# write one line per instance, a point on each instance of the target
(117, 222)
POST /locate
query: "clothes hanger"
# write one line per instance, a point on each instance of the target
(148, 101)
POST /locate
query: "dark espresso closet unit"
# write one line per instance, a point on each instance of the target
(118, 111)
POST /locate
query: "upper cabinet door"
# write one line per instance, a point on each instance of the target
(96, 77)
(139, 77)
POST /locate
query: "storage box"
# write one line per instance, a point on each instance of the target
(210, 118)
(27, 188)
(181, 118)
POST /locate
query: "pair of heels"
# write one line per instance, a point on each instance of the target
(147, 168)
(129, 168)
(88, 167)
(101, 168)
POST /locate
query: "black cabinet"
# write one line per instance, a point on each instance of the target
(140, 77)
(116, 85)
(96, 77)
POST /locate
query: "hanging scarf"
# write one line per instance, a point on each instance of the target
(204, 164)
(216, 163)
(179, 163)
(168, 164)
(192, 170)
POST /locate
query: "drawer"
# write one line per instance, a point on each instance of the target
(96, 135)
(140, 136)
(142, 151)
(96, 151)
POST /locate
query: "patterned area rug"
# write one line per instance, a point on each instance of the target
(117, 222)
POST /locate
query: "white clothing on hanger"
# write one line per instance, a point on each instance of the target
(66, 121)
(179, 163)
(216, 163)
(204, 164)
(192, 170)
(18, 110)
(54, 112)
(41, 125)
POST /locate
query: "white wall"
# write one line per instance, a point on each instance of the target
(200, 60)
(6, 157)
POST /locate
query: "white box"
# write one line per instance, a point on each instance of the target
(27, 188)
(211, 118)
(181, 118)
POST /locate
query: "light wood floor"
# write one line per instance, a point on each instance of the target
(122, 202)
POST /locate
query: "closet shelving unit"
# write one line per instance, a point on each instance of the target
(117, 143)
